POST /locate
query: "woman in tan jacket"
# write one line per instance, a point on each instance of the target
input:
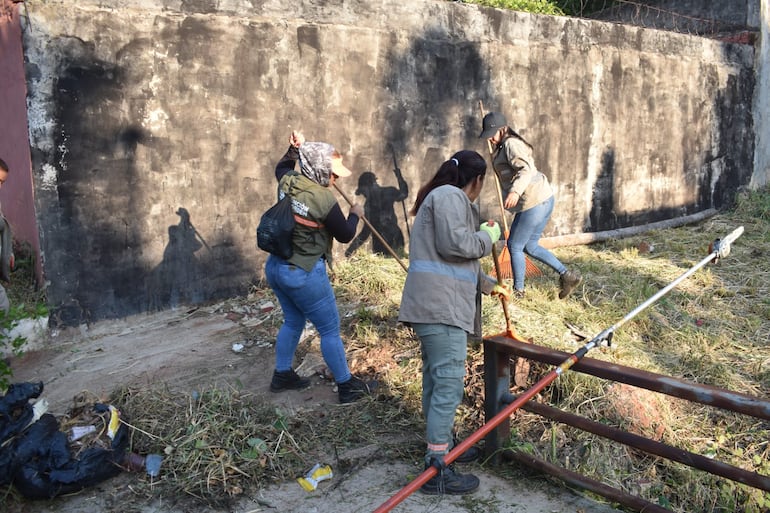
(528, 194)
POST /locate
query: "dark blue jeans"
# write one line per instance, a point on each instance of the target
(526, 229)
(306, 296)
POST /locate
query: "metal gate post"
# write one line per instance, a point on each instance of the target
(497, 382)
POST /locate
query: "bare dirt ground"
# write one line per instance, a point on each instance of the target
(193, 349)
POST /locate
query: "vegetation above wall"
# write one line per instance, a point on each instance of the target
(556, 8)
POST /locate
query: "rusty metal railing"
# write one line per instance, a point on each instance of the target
(497, 354)
(496, 364)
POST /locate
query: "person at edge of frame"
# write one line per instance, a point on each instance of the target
(6, 246)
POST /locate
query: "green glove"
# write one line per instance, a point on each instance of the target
(501, 291)
(492, 230)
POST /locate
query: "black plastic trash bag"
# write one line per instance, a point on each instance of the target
(16, 413)
(41, 462)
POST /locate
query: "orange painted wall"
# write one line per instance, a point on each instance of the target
(16, 195)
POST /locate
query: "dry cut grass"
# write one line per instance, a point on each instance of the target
(714, 328)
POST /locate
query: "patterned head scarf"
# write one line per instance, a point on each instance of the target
(317, 162)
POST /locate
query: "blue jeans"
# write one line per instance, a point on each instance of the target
(444, 349)
(306, 296)
(526, 229)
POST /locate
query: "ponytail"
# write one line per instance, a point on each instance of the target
(464, 166)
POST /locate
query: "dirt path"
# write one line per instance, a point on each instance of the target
(194, 349)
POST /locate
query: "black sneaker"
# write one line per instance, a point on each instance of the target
(288, 380)
(449, 482)
(354, 389)
(568, 281)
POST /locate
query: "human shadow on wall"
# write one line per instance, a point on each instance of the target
(98, 219)
(607, 215)
(602, 215)
(177, 279)
(434, 86)
(379, 209)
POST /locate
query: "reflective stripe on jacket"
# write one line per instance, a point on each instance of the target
(444, 251)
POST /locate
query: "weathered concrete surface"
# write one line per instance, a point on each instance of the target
(687, 16)
(142, 113)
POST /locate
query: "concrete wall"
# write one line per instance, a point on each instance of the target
(155, 126)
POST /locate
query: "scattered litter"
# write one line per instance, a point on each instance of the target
(237, 347)
(134, 462)
(45, 458)
(152, 464)
(114, 424)
(316, 474)
(78, 432)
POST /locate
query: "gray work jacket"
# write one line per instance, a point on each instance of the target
(444, 272)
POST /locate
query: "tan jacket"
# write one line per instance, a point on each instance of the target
(515, 166)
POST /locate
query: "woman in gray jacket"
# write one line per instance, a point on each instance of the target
(439, 300)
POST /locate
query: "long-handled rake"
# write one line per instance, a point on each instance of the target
(505, 271)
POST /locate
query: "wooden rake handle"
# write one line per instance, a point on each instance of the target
(498, 185)
(508, 326)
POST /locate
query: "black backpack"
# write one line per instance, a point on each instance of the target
(275, 229)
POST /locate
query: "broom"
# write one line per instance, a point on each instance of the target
(531, 269)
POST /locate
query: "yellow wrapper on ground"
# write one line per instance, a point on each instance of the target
(114, 424)
(317, 474)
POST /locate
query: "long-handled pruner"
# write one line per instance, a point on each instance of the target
(720, 248)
